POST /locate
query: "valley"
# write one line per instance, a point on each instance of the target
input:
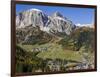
(52, 43)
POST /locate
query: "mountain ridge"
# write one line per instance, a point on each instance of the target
(51, 24)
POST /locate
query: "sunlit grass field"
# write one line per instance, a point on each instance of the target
(54, 51)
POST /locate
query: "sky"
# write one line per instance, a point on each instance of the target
(76, 15)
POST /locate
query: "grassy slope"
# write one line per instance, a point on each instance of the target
(55, 51)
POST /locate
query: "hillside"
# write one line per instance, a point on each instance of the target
(52, 43)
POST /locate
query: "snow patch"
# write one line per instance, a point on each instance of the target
(33, 9)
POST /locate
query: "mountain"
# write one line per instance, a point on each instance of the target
(85, 25)
(56, 23)
(81, 39)
(32, 35)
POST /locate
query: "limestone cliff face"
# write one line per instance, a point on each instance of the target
(50, 24)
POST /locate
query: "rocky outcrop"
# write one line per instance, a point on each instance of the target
(51, 24)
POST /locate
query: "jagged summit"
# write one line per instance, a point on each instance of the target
(55, 23)
(57, 14)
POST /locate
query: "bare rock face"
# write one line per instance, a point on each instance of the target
(31, 17)
(50, 24)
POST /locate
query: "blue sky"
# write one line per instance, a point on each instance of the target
(76, 15)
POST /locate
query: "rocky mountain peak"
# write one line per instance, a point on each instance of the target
(57, 14)
(55, 23)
